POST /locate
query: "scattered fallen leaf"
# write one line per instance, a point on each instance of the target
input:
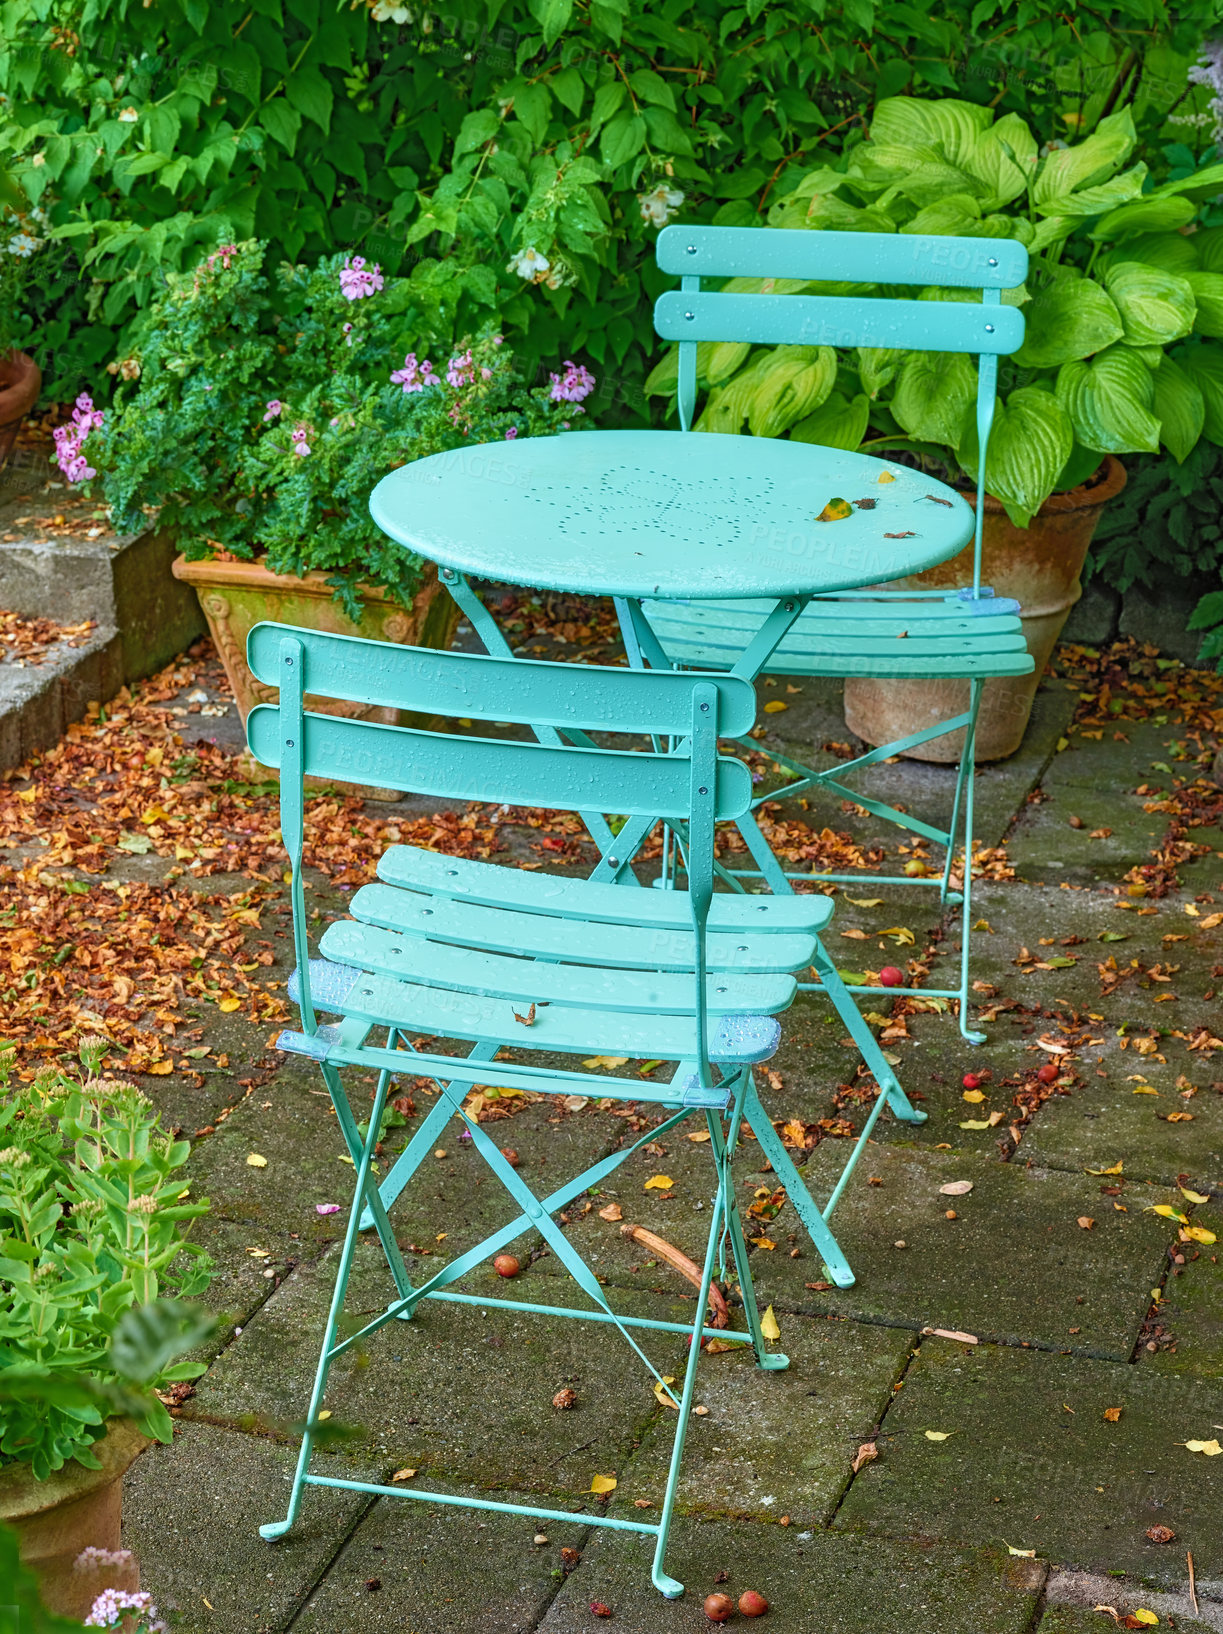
(956, 1188)
(1168, 1212)
(1199, 1234)
(867, 1453)
(865, 901)
(1194, 1196)
(529, 1019)
(1112, 1414)
(658, 1182)
(603, 1483)
(403, 1475)
(1160, 1534)
(775, 706)
(972, 1095)
(764, 1242)
(938, 1435)
(564, 1399)
(836, 510)
(975, 1123)
(255, 1161)
(1024, 1554)
(699, 1135)
(610, 1061)
(768, 1325)
(613, 1211)
(1147, 1618)
(1211, 1448)
(663, 1395)
(1086, 1222)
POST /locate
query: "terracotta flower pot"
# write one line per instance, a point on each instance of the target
(235, 596)
(77, 1508)
(1039, 566)
(20, 384)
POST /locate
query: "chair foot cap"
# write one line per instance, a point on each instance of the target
(775, 1362)
(274, 1530)
(915, 1116)
(667, 1586)
(975, 1038)
(843, 1277)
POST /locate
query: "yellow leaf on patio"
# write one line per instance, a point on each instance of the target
(159, 1069)
(865, 901)
(603, 1483)
(1116, 1169)
(938, 1435)
(403, 1475)
(775, 706)
(1194, 1196)
(974, 1123)
(1211, 1448)
(899, 934)
(1199, 1234)
(606, 1061)
(768, 1325)
(154, 814)
(1142, 1615)
(1145, 1089)
(699, 1135)
(229, 1004)
(1024, 1554)
(974, 1095)
(764, 1242)
(658, 1182)
(256, 1161)
(183, 853)
(665, 1398)
(1169, 1213)
(326, 1413)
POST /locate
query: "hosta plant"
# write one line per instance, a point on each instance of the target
(92, 1206)
(1123, 301)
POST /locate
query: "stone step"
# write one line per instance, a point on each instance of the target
(38, 702)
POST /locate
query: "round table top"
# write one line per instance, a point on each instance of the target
(670, 514)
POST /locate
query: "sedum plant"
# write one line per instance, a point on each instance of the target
(91, 1206)
(1124, 306)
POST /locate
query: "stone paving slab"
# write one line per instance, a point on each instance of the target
(1191, 1310)
(453, 1392)
(1027, 1429)
(1015, 1233)
(1081, 1620)
(773, 1444)
(250, 1265)
(441, 1570)
(821, 1582)
(1107, 1120)
(191, 1513)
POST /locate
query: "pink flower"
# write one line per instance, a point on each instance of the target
(576, 383)
(274, 408)
(94, 1559)
(414, 376)
(460, 371)
(346, 331)
(511, 434)
(300, 435)
(110, 1606)
(357, 280)
(486, 374)
(326, 1208)
(224, 253)
(68, 440)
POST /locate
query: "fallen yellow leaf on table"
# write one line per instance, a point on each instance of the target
(658, 1182)
(255, 1161)
(886, 476)
(768, 1325)
(606, 1061)
(836, 510)
(603, 1483)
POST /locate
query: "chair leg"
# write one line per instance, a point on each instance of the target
(770, 1361)
(868, 1046)
(972, 1035)
(362, 1190)
(805, 1206)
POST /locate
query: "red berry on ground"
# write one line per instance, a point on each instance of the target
(719, 1608)
(889, 976)
(600, 1608)
(752, 1604)
(971, 1081)
(1048, 1073)
(505, 1265)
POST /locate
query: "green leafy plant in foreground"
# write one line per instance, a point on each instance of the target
(91, 1210)
(1123, 302)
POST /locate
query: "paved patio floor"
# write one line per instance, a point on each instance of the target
(1082, 1334)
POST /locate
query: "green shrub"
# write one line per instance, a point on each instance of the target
(90, 1214)
(462, 140)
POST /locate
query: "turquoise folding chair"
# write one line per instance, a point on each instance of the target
(461, 950)
(968, 634)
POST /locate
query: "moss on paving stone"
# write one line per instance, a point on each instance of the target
(250, 1264)
(1107, 1120)
(1015, 1234)
(1204, 873)
(820, 1582)
(456, 1393)
(192, 1512)
(773, 1444)
(438, 1570)
(1086, 1620)
(1191, 1311)
(1027, 1429)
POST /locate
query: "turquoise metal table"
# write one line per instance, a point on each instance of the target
(656, 516)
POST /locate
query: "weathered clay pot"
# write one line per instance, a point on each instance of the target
(1039, 566)
(20, 384)
(73, 1510)
(235, 596)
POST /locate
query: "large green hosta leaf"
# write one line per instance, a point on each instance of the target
(1204, 366)
(1156, 307)
(877, 366)
(1173, 252)
(1143, 216)
(1093, 201)
(793, 383)
(1109, 402)
(934, 391)
(1071, 319)
(949, 126)
(1087, 163)
(1180, 408)
(838, 423)
(1003, 160)
(1209, 245)
(1029, 445)
(1207, 290)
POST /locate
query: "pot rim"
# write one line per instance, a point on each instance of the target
(22, 1497)
(256, 574)
(1085, 497)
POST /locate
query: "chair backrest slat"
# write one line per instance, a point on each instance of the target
(839, 320)
(870, 258)
(468, 685)
(496, 770)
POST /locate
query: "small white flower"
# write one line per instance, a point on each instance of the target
(22, 244)
(385, 12)
(128, 116)
(658, 206)
(529, 264)
(38, 160)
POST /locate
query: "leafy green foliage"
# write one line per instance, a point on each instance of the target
(260, 415)
(90, 1238)
(1114, 282)
(518, 155)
